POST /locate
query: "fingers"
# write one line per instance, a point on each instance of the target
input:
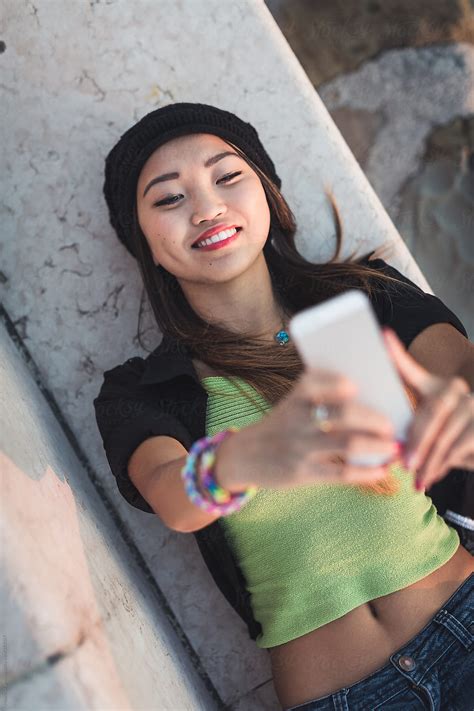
(343, 473)
(351, 445)
(409, 369)
(361, 475)
(353, 415)
(318, 385)
(442, 448)
(460, 453)
(432, 413)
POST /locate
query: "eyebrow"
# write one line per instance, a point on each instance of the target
(172, 176)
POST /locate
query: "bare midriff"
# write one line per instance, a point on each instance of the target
(359, 643)
(354, 646)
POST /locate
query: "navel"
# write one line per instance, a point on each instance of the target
(373, 609)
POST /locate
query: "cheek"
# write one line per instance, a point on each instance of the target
(144, 221)
(252, 201)
(165, 238)
(260, 210)
(154, 227)
(149, 228)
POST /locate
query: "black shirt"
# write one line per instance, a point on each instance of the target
(162, 395)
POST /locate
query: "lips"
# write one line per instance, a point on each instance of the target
(214, 231)
(220, 244)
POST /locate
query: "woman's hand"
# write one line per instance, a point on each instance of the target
(287, 449)
(441, 435)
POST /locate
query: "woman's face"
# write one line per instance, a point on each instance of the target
(173, 213)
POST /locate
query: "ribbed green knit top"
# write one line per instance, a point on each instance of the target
(310, 554)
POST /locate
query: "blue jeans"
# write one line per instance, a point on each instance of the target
(434, 670)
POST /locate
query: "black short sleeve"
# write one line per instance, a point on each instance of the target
(126, 415)
(406, 308)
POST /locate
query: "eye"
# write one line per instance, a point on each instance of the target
(229, 176)
(168, 201)
(171, 200)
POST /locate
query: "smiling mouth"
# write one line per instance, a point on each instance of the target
(219, 243)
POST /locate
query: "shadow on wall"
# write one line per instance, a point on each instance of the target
(332, 38)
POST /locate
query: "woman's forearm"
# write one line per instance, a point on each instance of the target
(167, 495)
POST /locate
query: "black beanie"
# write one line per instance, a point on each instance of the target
(126, 159)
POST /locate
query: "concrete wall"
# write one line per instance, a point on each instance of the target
(75, 75)
(82, 628)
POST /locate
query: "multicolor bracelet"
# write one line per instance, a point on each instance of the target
(199, 471)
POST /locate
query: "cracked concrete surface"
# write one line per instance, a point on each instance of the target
(77, 613)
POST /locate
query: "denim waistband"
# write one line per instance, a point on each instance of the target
(410, 665)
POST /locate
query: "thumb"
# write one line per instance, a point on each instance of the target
(411, 372)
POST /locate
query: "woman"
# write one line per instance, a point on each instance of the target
(380, 613)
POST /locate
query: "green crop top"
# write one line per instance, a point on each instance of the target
(310, 554)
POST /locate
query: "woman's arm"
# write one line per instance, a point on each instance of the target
(155, 469)
(441, 435)
(443, 350)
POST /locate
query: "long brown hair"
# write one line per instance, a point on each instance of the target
(271, 369)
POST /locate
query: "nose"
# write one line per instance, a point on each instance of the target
(207, 208)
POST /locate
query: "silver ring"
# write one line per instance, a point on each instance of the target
(321, 416)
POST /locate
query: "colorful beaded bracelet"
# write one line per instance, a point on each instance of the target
(199, 470)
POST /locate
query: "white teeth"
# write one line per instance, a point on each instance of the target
(217, 238)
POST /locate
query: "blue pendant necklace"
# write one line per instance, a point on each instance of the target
(281, 337)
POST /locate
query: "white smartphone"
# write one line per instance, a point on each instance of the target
(343, 335)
